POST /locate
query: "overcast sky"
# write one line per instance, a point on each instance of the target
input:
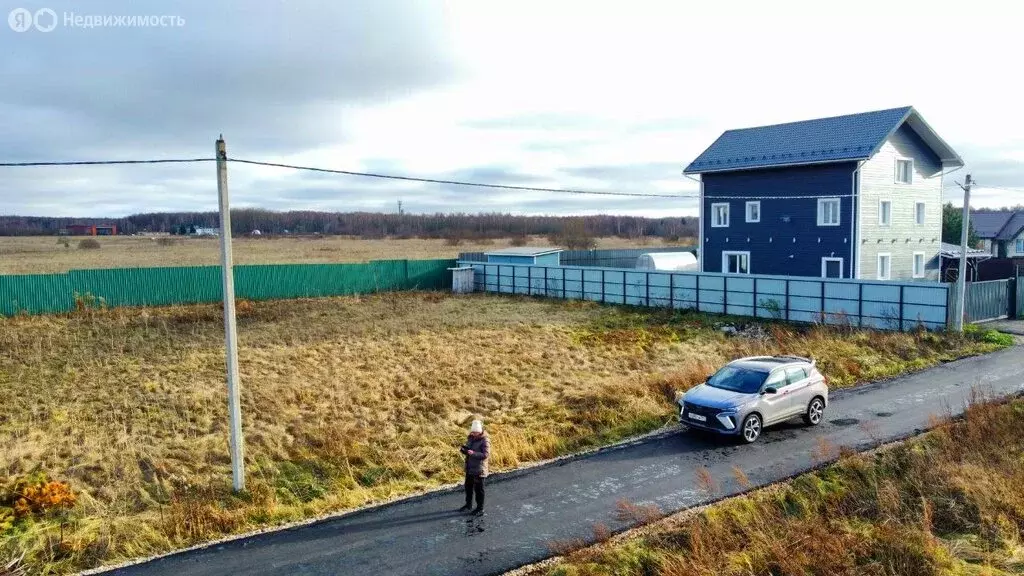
(594, 95)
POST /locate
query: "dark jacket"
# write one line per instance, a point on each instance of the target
(476, 465)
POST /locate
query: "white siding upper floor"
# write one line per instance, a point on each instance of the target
(903, 238)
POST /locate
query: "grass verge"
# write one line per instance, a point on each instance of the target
(948, 502)
(115, 429)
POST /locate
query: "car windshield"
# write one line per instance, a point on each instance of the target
(738, 380)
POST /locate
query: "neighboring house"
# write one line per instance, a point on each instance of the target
(91, 230)
(857, 196)
(1001, 233)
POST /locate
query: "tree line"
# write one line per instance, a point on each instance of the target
(369, 224)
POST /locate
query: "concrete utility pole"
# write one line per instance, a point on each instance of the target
(235, 442)
(961, 279)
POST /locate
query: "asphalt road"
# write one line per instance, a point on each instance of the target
(527, 511)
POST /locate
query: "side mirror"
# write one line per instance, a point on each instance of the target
(771, 390)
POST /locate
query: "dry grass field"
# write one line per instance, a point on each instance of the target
(46, 254)
(948, 503)
(113, 422)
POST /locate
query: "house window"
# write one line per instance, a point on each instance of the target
(1019, 246)
(736, 262)
(884, 266)
(754, 211)
(904, 171)
(884, 212)
(918, 264)
(828, 212)
(720, 215)
(919, 213)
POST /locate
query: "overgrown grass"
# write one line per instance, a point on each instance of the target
(346, 401)
(949, 502)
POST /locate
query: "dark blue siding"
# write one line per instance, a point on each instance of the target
(771, 241)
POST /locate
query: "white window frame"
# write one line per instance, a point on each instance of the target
(920, 213)
(824, 266)
(1018, 246)
(888, 266)
(725, 260)
(910, 171)
(714, 211)
(821, 211)
(913, 265)
(753, 203)
(880, 204)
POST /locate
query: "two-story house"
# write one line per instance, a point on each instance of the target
(857, 196)
(1001, 233)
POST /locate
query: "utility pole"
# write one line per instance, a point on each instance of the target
(399, 207)
(961, 279)
(230, 333)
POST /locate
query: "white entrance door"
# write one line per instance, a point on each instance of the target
(831, 267)
(736, 262)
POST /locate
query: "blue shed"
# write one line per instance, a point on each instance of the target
(526, 255)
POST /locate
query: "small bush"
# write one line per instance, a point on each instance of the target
(89, 244)
(994, 337)
(519, 241)
(452, 241)
(167, 241)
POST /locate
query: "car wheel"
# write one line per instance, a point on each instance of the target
(815, 411)
(751, 429)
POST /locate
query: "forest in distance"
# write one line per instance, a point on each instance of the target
(369, 225)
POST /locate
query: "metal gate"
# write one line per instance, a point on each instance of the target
(988, 300)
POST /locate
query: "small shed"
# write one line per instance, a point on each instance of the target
(527, 256)
(667, 261)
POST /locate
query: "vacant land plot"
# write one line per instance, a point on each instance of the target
(44, 254)
(949, 502)
(114, 422)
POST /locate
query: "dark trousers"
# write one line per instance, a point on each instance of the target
(474, 484)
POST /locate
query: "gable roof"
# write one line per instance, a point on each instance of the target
(997, 225)
(836, 139)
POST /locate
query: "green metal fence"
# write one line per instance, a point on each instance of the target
(50, 293)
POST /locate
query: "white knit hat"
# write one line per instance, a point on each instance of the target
(477, 426)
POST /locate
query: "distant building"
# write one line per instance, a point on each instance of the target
(91, 230)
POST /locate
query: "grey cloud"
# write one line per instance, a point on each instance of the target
(271, 76)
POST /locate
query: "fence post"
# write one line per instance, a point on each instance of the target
(647, 289)
(725, 295)
(499, 278)
(787, 299)
(529, 281)
(545, 281)
(602, 286)
(755, 297)
(623, 287)
(563, 284)
(823, 321)
(860, 305)
(901, 307)
(698, 291)
(672, 290)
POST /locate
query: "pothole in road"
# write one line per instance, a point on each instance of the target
(844, 421)
(883, 414)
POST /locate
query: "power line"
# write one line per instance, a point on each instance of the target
(107, 162)
(689, 196)
(455, 182)
(525, 188)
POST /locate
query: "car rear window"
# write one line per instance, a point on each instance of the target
(738, 379)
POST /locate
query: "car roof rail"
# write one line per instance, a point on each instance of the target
(809, 360)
